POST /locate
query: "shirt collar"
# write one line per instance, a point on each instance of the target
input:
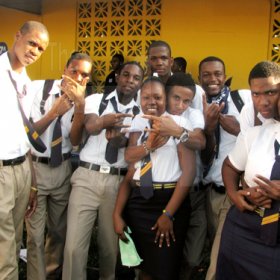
(131, 104)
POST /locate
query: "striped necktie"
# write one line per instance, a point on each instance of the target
(111, 152)
(32, 135)
(146, 178)
(270, 221)
(56, 145)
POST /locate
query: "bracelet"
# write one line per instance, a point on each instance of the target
(145, 147)
(34, 189)
(166, 213)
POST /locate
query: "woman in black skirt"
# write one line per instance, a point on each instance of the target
(159, 219)
(250, 242)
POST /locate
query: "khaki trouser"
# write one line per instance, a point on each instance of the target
(15, 182)
(93, 195)
(45, 259)
(217, 206)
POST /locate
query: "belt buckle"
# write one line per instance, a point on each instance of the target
(104, 169)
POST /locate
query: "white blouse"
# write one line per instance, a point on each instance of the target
(254, 151)
(165, 161)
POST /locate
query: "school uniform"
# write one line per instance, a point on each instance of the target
(141, 214)
(217, 202)
(45, 255)
(197, 228)
(95, 186)
(247, 117)
(243, 253)
(15, 175)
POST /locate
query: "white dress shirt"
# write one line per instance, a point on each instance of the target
(254, 151)
(36, 88)
(165, 161)
(13, 141)
(227, 142)
(94, 150)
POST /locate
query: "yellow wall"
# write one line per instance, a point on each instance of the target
(10, 21)
(60, 19)
(237, 31)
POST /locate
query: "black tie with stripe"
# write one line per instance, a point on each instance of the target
(111, 152)
(56, 145)
(146, 178)
(32, 135)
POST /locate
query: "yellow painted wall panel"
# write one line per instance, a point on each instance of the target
(237, 31)
(10, 21)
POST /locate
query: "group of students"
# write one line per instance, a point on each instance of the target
(162, 155)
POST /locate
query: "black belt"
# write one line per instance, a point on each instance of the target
(219, 189)
(199, 187)
(103, 169)
(157, 185)
(12, 162)
(46, 160)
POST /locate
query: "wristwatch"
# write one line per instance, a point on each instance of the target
(184, 136)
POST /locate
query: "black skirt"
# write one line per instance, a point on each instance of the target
(141, 215)
(243, 255)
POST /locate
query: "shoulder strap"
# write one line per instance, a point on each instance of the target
(103, 104)
(47, 88)
(237, 100)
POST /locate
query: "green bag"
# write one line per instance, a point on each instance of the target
(129, 255)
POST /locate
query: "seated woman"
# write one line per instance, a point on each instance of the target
(250, 243)
(157, 211)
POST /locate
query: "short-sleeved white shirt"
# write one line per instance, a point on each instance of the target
(247, 117)
(254, 151)
(197, 100)
(94, 150)
(13, 141)
(227, 142)
(196, 119)
(36, 88)
(195, 116)
(165, 161)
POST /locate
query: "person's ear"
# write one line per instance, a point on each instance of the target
(18, 35)
(117, 77)
(171, 61)
(65, 70)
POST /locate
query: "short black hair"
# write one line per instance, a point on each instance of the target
(159, 43)
(78, 56)
(131, 63)
(120, 57)
(264, 69)
(31, 25)
(182, 63)
(153, 79)
(182, 80)
(209, 59)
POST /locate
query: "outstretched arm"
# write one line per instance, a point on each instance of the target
(166, 126)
